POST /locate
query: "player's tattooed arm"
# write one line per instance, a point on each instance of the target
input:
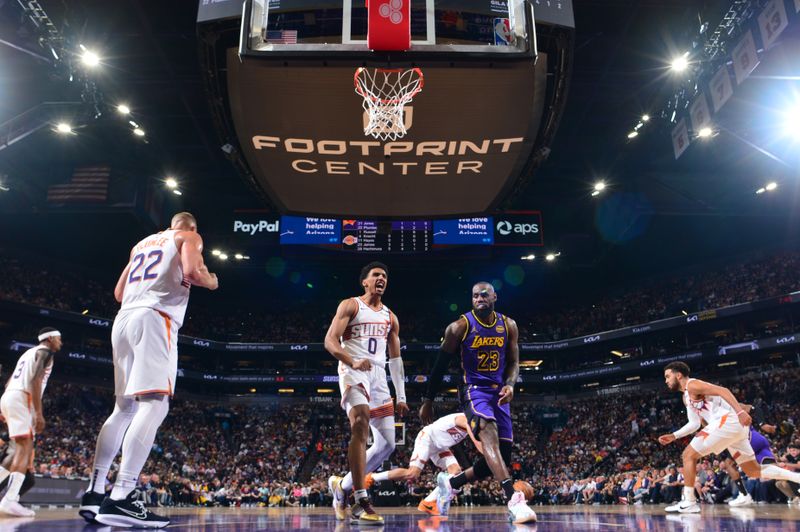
(333, 339)
(453, 336)
(40, 363)
(511, 371)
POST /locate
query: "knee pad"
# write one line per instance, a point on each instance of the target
(28, 483)
(505, 451)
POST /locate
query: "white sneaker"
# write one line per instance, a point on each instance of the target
(338, 495)
(741, 500)
(445, 493)
(684, 507)
(15, 508)
(518, 510)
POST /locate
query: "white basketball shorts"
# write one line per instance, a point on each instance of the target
(145, 344)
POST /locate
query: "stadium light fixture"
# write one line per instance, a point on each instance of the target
(550, 257)
(216, 252)
(123, 109)
(645, 118)
(705, 132)
(772, 185)
(238, 256)
(528, 257)
(680, 63)
(63, 128)
(791, 124)
(89, 57)
(761, 190)
(600, 186)
(171, 182)
(223, 256)
(633, 134)
(139, 132)
(177, 192)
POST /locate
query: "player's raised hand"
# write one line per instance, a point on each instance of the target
(506, 395)
(362, 364)
(401, 409)
(426, 412)
(666, 439)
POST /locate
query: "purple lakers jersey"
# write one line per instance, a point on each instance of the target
(483, 350)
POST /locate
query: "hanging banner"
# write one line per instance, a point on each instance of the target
(680, 138)
(699, 113)
(721, 88)
(772, 21)
(744, 56)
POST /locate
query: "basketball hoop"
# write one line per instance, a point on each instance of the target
(386, 92)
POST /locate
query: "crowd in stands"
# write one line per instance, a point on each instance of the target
(29, 281)
(602, 450)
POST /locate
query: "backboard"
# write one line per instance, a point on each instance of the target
(468, 136)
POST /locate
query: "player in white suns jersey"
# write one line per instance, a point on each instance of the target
(154, 291)
(21, 406)
(360, 335)
(432, 443)
(726, 427)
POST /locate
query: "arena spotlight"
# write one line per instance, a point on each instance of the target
(89, 57)
(216, 252)
(680, 63)
(171, 182)
(772, 185)
(761, 190)
(550, 257)
(791, 124)
(177, 192)
(633, 134)
(599, 186)
(645, 118)
(63, 128)
(139, 132)
(528, 257)
(123, 109)
(223, 256)
(705, 132)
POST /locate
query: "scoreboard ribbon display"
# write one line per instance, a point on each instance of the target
(520, 228)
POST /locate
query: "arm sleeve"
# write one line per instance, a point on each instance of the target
(398, 378)
(437, 374)
(691, 427)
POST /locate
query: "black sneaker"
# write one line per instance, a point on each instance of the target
(90, 505)
(128, 512)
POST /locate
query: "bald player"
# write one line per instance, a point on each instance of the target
(154, 291)
(486, 343)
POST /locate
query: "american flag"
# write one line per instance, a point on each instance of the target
(89, 184)
(282, 37)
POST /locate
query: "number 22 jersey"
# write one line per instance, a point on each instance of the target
(155, 277)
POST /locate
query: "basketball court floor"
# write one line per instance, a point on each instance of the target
(561, 518)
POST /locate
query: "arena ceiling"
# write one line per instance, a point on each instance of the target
(657, 212)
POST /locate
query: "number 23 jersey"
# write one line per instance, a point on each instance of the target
(155, 277)
(483, 350)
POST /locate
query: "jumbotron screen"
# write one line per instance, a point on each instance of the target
(519, 228)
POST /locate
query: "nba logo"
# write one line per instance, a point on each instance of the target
(502, 32)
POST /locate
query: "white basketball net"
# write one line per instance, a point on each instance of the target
(386, 92)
